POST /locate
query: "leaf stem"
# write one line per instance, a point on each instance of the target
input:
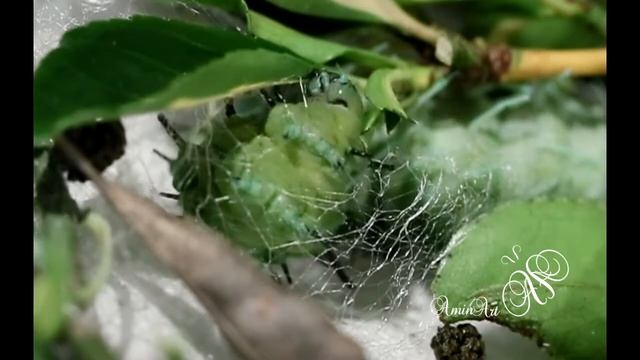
(393, 14)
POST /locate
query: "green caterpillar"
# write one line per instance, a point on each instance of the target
(273, 187)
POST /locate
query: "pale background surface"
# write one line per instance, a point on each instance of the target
(144, 308)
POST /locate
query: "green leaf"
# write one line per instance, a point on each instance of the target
(522, 7)
(597, 17)
(333, 9)
(558, 33)
(52, 288)
(382, 85)
(317, 50)
(383, 40)
(232, 6)
(429, 2)
(91, 346)
(572, 322)
(236, 8)
(229, 5)
(119, 67)
(376, 11)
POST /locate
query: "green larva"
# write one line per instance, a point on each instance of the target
(279, 188)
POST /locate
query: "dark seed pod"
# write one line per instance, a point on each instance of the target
(463, 342)
(101, 142)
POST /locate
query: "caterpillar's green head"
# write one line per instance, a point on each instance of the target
(336, 89)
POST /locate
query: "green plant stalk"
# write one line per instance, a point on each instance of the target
(455, 51)
(102, 233)
(52, 286)
(514, 101)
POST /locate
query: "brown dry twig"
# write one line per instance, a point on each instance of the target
(499, 62)
(259, 319)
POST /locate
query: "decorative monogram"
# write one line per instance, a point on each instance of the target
(541, 269)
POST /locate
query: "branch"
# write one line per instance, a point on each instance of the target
(498, 62)
(534, 64)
